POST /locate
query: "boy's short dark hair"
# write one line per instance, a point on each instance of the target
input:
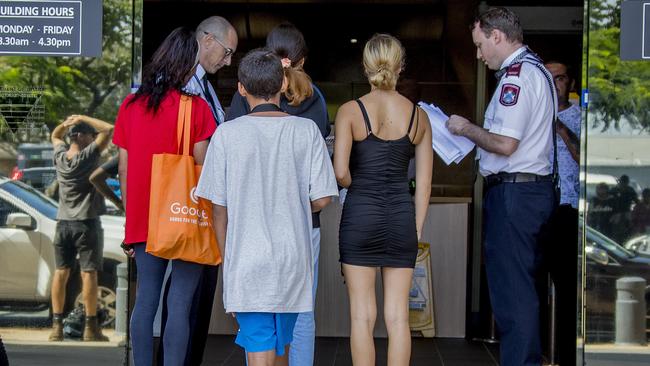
(502, 19)
(261, 73)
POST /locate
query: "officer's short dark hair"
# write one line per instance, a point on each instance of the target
(261, 73)
(501, 19)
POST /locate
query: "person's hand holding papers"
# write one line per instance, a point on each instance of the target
(456, 124)
(449, 147)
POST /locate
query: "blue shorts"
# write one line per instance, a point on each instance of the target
(259, 332)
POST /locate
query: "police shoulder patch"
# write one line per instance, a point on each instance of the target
(514, 69)
(509, 94)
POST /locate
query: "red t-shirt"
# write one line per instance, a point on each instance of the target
(143, 134)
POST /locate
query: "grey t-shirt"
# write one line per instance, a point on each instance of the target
(266, 170)
(78, 198)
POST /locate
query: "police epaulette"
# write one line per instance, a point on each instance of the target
(514, 69)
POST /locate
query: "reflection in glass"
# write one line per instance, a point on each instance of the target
(616, 172)
(36, 95)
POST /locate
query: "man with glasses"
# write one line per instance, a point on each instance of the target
(217, 43)
(217, 40)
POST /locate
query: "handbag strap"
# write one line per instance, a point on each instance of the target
(183, 125)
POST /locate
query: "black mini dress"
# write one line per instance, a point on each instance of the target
(378, 221)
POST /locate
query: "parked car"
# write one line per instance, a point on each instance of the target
(607, 261)
(34, 165)
(639, 245)
(27, 226)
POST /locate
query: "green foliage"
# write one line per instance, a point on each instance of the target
(619, 90)
(80, 85)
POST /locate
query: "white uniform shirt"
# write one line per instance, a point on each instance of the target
(522, 107)
(195, 86)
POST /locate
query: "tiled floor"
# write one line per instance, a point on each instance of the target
(221, 350)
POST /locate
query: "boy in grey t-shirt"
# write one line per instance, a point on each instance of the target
(265, 173)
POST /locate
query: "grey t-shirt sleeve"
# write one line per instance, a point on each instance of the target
(212, 183)
(59, 153)
(88, 152)
(322, 182)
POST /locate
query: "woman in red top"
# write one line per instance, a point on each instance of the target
(146, 125)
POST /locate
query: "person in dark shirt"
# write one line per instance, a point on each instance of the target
(98, 179)
(302, 98)
(601, 210)
(4, 360)
(624, 196)
(641, 214)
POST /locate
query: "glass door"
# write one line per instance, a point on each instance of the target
(615, 182)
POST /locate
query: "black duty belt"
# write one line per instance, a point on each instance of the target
(499, 178)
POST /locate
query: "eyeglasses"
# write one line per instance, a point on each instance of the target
(229, 51)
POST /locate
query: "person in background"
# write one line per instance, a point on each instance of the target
(641, 214)
(4, 360)
(78, 228)
(624, 196)
(376, 136)
(601, 210)
(217, 40)
(514, 152)
(303, 99)
(562, 245)
(263, 194)
(98, 180)
(146, 125)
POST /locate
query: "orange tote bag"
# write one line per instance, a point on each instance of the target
(180, 223)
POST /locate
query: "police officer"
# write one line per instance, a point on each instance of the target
(514, 148)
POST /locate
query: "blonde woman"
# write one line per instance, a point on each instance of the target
(376, 135)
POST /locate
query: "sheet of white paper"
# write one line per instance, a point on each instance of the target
(450, 148)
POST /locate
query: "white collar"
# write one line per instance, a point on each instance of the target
(512, 56)
(200, 72)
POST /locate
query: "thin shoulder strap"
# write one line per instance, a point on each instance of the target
(417, 123)
(411, 122)
(365, 116)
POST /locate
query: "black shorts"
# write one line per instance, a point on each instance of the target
(83, 237)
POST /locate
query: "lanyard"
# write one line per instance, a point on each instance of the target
(208, 97)
(266, 107)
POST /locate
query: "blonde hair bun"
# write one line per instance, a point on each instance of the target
(383, 60)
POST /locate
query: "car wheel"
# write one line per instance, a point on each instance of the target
(106, 297)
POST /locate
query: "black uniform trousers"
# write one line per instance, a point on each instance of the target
(514, 216)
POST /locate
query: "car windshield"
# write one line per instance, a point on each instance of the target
(607, 243)
(32, 197)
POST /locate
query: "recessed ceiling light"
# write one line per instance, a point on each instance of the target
(353, 40)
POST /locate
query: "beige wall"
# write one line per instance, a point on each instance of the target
(446, 229)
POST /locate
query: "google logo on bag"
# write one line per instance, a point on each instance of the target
(177, 208)
(193, 195)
